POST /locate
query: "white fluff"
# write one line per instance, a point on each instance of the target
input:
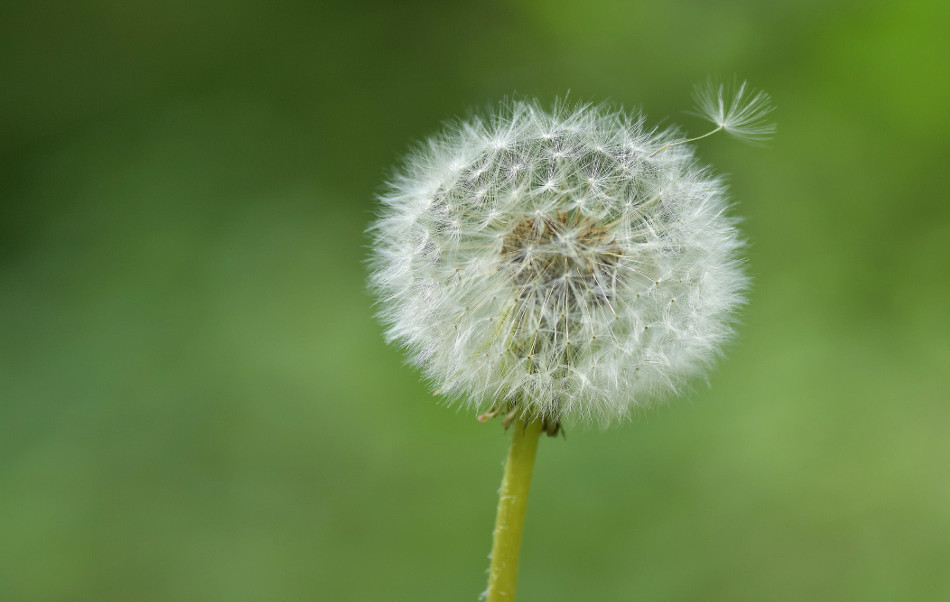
(551, 264)
(741, 111)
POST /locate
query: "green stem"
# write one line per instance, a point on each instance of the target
(512, 503)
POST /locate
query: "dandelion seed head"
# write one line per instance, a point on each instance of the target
(557, 262)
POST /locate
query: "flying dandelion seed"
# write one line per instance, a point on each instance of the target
(737, 109)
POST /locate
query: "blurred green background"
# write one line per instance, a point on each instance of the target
(197, 403)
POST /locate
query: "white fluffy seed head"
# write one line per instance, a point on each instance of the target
(555, 264)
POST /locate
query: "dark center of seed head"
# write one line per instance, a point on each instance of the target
(543, 249)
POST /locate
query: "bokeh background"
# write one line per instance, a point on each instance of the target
(196, 402)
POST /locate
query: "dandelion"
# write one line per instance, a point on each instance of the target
(559, 267)
(740, 111)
